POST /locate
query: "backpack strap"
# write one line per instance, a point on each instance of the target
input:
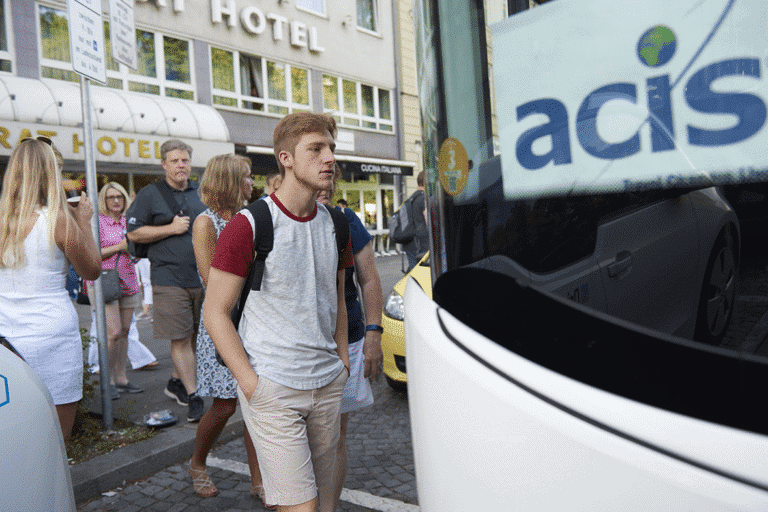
(341, 228)
(263, 239)
(169, 200)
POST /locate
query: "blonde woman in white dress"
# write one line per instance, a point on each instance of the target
(40, 235)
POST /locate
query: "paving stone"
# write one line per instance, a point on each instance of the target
(150, 490)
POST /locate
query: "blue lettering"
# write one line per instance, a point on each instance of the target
(586, 123)
(556, 128)
(749, 108)
(660, 106)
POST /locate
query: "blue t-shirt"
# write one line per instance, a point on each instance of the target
(360, 238)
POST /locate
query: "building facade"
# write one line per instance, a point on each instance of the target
(219, 74)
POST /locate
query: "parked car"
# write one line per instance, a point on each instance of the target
(34, 474)
(393, 340)
(678, 238)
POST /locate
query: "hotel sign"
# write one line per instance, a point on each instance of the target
(256, 22)
(111, 147)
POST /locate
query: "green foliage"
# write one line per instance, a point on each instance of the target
(223, 69)
(54, 31)
(300, 86)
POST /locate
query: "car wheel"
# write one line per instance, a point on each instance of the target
(397, 385)
(718, 293)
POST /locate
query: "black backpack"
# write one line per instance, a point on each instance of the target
(402, 225)
(262, 241)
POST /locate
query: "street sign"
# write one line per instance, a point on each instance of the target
(122, 32)
(86, 39)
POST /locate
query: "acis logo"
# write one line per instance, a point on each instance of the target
(655, 48)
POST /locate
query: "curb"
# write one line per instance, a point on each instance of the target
(136, 461)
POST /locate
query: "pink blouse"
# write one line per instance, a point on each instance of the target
(112, 233)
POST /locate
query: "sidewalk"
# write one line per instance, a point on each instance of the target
(173, 444)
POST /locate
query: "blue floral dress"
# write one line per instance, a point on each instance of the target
(213, 379)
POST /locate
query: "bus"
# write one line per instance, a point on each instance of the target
(595, 336)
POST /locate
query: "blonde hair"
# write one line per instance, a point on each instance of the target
(103, 197)
(220, 186)
(32, 181)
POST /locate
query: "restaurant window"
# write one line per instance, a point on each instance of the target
(164, 63)
(258, 84)
(355, 104)
(366, 14)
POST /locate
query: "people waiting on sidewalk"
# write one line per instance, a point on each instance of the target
(290, 357)
(113, 203)
(364, 335)
(176, 291)
(224, 188)
(40, 235)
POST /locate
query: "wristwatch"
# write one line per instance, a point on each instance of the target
(374, 327)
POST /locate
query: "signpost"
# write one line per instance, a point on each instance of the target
(86, 41)
(122, 30)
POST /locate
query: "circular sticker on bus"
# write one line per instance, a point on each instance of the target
(453, 166)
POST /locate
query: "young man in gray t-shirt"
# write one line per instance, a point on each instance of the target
(292, 362)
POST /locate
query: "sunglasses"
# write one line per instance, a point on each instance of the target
(40, 138)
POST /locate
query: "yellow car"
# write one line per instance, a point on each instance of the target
(393, 339)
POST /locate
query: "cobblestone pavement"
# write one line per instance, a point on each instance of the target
(380, 465)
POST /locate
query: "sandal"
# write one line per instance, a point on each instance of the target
(258, 492)
(202, 483)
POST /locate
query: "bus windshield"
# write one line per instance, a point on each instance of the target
(609, 154)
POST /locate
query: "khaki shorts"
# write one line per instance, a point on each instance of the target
(296, 433)
(176, 311)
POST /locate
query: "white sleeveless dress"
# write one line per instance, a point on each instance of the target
(38, 318)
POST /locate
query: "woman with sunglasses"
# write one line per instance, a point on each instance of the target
(40, 235)
(113, 203)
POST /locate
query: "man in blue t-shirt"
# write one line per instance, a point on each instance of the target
(365, 355)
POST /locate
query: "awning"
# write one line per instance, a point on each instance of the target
(352, 164)
(128, 127)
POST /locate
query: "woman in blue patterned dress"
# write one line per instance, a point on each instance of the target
(224, 188)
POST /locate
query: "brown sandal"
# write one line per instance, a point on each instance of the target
(202, 483)
(258, 492)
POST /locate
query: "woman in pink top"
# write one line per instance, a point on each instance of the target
(113, 203)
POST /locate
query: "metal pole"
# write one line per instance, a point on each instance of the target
(98, 298)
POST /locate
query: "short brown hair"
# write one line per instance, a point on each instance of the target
(420, 179)
(173, 144)
(290, 129)
(220, 188)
